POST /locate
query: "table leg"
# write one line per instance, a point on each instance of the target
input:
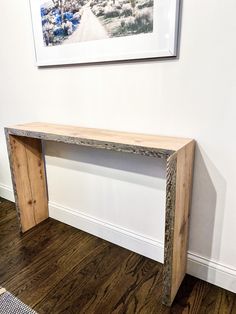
(29, 179)
(178, 197)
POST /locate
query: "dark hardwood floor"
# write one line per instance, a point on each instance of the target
(55, 268)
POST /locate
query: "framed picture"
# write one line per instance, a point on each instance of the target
(84, 31)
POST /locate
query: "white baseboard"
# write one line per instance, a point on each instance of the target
(203, 268)
(6, 192)
(110, 232)
(212, 271)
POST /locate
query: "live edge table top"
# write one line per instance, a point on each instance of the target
(143, 144)
(24, 143)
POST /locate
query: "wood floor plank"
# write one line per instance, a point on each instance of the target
(25, 249)
(6, 214)
(92, 272)
(56, 268)
(40, 275)
(129, 287)
(8, 230)
(218, 301)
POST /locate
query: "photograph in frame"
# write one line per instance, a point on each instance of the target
(84, 31)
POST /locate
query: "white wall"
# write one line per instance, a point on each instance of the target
(116, 196)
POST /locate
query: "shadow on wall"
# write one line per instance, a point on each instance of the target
(125, 162)
(121, 189)
(207, 213)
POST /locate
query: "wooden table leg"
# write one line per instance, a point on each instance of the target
(29, 180)
(178, 196)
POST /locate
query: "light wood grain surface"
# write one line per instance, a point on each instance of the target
(184, 173)
(29, 180)
(133, 139)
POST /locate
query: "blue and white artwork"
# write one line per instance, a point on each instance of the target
(73, 21)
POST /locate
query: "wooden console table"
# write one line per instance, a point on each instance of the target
(30, 188)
